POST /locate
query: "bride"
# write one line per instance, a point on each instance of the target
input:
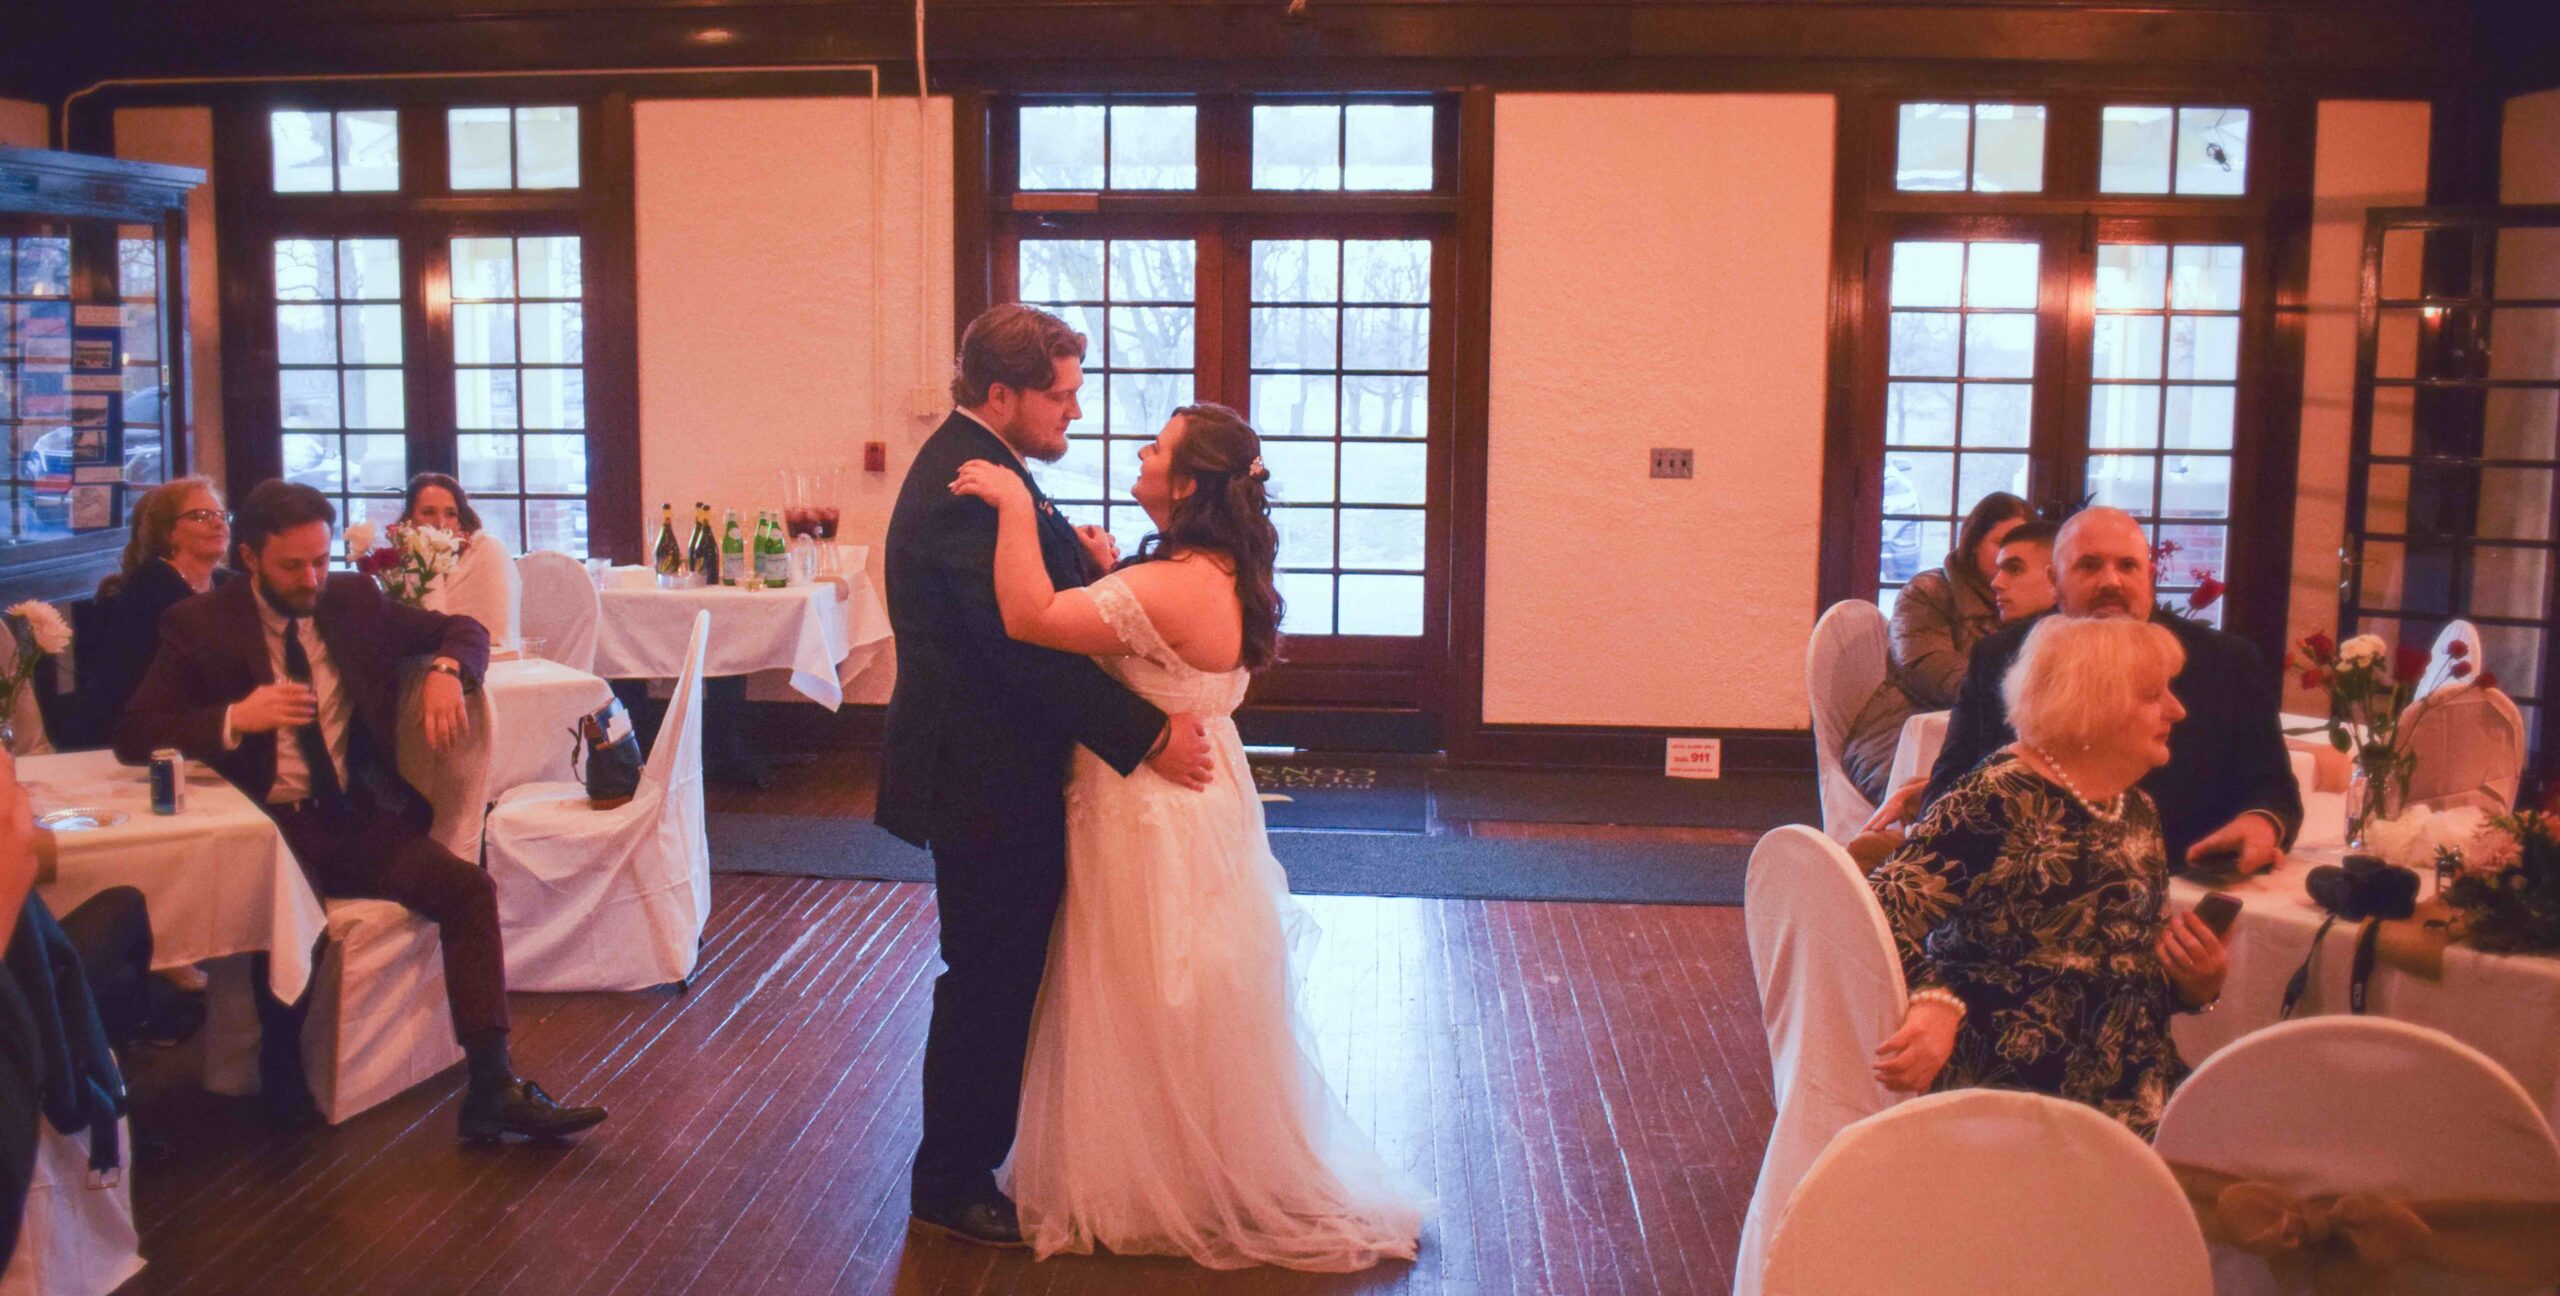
(1171, 1104)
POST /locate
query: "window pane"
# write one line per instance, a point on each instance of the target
(487, 463)
(555, 465)
(554, 332)
(1120, 458)
(2133, 150)
(550, 267)
(1151, 337)
(369, 269)
(370, 334)
(1922, 344)
(1062, 147)
(2121, 481)
(137, 264)
(303, 335)
(1930, 146)
(1155, 147)
(1388, 146)
(377, 463)
(1381, 605)
(306, 269)
(1382, 474)
(2199, 418)
(2213, 150)
(1919, 414)
(308, 398)
(1297, 146)
(1927, 483)
(498, 521)
(546, 148)
(375, 399)
(1061, 270)
(1296, 270)
(44, 267)
(2132, 276)
(1077, 475)
(1141, 402)
(2206, 278)
(2124, 416)
(1397, 270)
(1386, 405)
(1998, 414)
(1301, 471)
(369, 151)
(1306, 536)
(1999, 346)
(555, 398)
(1145, 270)
(1380, 337)
(1129, 525)
(2008, 148)
(1390, 538)
(484, 333)
(477, 148)
(311, 461)
(484, 398)
(1928, 274)
(2195, 486)
(1086, 320)
(1292, 405)
(556, 525)
(300, 144)
(2204, 346)
(1291, 337)
(1306, 603)
(2001, 275)
(1981, 474)
(2125, 346)
(483, 268)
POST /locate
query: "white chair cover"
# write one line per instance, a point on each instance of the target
(1842, 667)
(1988, 1192)
(2470, 742)
(1830, 991)
(560, 607)
(76, 1238)
(485, 586)
(2328, 1105)
(2440, 663)
(378, 1022)
(455, 781)
(612, 899)
(1923, 737)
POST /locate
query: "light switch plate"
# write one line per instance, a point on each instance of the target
(1672, 461)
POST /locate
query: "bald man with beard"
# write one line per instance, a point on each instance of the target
(2228, 787)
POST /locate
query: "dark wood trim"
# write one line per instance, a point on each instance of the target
(1470, 451)
(250, 451)
(614, 518)
(2265, 491)
(1849, 502)
(972, 211)
(1746, 751)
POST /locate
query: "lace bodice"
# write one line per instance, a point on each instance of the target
(1153, 670)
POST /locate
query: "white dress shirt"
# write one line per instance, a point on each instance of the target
(293, 777)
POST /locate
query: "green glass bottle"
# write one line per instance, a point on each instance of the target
(773, 555)
(733, 552)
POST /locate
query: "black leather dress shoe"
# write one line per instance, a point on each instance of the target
(987, 1222)
(522, 1110)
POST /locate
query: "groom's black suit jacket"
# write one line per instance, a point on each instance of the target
(976, 718)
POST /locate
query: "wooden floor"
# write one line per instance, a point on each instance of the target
(1583, 1088)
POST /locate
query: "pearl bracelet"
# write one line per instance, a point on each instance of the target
(1936, 994)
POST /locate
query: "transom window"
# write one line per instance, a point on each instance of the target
(342, 152)
(1984, 147)
(512, 148)
(1111, 146)
(2159, 150)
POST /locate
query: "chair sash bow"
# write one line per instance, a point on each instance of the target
(2351, 1242)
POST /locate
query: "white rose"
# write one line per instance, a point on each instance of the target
(2363, 650)
(360, 537)
(52, 633)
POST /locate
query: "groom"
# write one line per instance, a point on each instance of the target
(975, 762)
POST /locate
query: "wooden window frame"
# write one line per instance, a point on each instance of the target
(424, 215)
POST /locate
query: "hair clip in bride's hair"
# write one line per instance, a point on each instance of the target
(1256, 471)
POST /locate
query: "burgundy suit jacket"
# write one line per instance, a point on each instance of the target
(213, 652)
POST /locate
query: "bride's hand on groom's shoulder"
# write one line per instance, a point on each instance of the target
(1000, 487)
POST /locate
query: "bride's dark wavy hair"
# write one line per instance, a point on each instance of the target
(1228, 513)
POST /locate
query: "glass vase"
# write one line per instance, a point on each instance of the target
(2373, 796)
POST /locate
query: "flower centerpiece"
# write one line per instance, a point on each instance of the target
(2369, 687)
(2506, 883)
(40, 632)
(409, 561)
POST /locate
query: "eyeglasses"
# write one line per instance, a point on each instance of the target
(204, 515)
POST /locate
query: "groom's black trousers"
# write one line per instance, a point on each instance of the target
(999, 871)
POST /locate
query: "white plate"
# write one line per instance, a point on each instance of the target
(79, 819)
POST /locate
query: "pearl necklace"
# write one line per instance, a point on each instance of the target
(2063, 776)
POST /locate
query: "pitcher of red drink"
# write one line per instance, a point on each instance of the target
(812, 508)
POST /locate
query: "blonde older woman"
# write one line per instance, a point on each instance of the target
(181, 538)
(2029, 904)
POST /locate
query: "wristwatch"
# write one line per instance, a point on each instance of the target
(443, 667)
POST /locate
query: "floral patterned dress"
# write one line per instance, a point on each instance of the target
(2043, 918)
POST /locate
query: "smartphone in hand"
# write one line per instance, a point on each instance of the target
(2218, 911)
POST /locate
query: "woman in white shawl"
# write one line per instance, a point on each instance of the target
(483, 584)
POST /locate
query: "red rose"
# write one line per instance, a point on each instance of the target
(2408, 664)
(2311, 679)
(2457, 650)
(2321, 646)
(2488, 679)
(2460, 669)
(2206, 591)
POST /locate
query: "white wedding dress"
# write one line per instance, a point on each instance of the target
(1172, 1104)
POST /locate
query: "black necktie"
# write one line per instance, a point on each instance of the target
(315, 746)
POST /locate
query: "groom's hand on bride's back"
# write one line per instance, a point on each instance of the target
(1181, 752)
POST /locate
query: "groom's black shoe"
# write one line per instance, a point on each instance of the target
(985, 1222)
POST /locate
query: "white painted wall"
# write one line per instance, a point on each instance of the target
(1660, 278)
(758, 321)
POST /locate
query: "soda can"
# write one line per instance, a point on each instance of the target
(168, 781)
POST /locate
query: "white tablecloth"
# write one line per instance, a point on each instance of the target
(2507, 1006)
(217, 876)
(824, 639)
(536, 704)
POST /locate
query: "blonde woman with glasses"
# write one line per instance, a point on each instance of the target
(180, 537)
